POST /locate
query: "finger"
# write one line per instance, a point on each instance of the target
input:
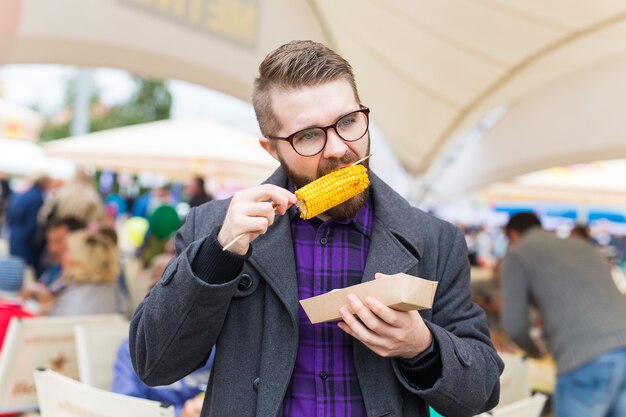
(358, 330)
(282, 198)
(253, 225)
(376, 349)
(368, 318)
(258, 209)
(390, 316)
(380, 275)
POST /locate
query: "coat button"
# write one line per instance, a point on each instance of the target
(245, 282)
(255, 384)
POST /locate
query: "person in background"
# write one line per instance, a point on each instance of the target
(185, 395)
(569, 283)
(22, 222)
(5, 194)
(123, 293)
(581, 231)
(196, 192)
(270, 359)
(12, 270)
(56, 245)
(88, 283)
(77, 199)
(148, 202)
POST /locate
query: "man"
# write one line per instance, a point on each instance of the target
(22, 221)
(570, 284)
(197, 193)
(270, 360)
(56, 244)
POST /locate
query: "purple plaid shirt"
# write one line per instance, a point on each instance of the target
(328, 255)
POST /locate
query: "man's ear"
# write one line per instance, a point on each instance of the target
(269, 147)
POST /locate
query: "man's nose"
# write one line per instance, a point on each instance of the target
(335, 146)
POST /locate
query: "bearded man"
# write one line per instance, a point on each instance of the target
(270, 360)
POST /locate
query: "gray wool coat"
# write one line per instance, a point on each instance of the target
(252, 317)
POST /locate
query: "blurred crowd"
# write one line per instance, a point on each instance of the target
(487, 247)
(68, 248)
(79, 248)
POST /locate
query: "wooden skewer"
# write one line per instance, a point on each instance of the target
(232, 242)
(362, 159)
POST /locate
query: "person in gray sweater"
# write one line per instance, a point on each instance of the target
(584, 316)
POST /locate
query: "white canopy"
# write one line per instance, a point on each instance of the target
(177, 148)
(20, 157)
(429, 69)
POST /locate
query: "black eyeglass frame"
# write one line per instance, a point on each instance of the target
(363, 109)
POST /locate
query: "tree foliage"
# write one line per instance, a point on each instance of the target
(150, 101)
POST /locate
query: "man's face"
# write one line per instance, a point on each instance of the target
(317, 106)
(57, 245)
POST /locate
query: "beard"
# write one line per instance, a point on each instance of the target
(346, 210)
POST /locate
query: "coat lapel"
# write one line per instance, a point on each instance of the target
(394, 248)
(273, 256)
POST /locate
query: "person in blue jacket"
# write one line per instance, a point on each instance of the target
(22, 222)
(186, 395)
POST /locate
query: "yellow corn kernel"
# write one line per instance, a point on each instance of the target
(331, 190)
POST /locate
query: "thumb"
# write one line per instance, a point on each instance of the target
(379, 275)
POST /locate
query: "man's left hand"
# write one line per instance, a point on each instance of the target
(387, 332)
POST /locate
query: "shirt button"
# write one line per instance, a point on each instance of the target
(323, 375)
(323, 241)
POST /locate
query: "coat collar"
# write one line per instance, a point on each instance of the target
(395, 245)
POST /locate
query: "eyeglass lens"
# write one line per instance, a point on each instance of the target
(350, 128)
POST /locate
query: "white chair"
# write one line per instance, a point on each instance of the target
(62, 396)
(96, 346)
(39, 342)
(528, 407)
(515, 381)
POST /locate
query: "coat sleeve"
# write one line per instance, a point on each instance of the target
(470, 367)
(174, 328)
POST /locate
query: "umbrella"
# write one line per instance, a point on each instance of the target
(176, 148)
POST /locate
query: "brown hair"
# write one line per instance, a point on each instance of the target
(521, 222)
(295, 65)
(92, 258)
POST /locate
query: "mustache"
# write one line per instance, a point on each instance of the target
(333, 164)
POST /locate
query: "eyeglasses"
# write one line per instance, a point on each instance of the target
(311, 141)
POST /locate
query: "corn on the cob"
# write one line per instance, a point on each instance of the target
(331, 190)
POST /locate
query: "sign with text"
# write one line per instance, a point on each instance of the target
(235, 20)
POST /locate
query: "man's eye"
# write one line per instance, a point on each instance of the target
(308, 135)
(346, 121)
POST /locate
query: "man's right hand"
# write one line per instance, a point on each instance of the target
(251, 212)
